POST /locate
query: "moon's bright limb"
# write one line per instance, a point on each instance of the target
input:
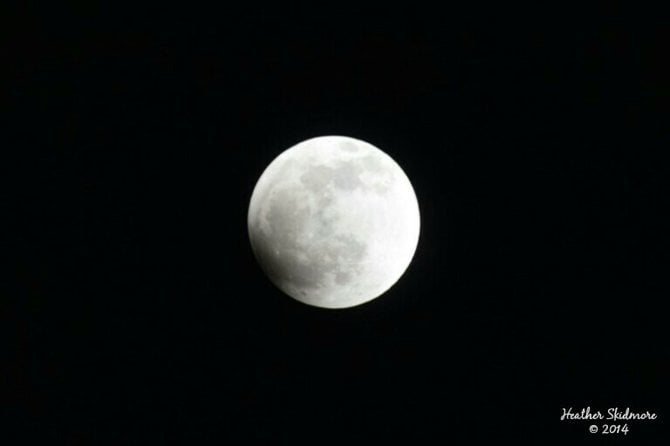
(334, 222)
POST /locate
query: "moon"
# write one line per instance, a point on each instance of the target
(333, 222)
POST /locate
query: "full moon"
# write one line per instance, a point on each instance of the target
(333, 222)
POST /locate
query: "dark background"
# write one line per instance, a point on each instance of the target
(534, 146)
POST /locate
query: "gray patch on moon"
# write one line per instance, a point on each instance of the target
(286, 267)
(316, 178)
(286, 261)
(373, 164)
(342, 278)
(290, 256)
(380, 188)
(286, 215)
(346, 176)
(348, 146)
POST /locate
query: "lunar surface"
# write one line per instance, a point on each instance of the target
(333, 222)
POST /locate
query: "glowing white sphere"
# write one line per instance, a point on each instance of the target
(333, 222)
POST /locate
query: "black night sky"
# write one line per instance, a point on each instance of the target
(141, 317)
